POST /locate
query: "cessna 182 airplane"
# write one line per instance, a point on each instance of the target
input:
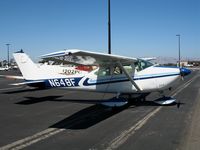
(111, 74)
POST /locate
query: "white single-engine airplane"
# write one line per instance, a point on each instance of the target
(113, 74)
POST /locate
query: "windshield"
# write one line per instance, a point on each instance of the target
(141, 65)
(116, 70)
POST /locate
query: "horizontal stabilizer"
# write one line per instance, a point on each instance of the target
(11, 77)
(29, 83)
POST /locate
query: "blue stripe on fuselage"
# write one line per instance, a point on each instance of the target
(124, 79)
(74, 82)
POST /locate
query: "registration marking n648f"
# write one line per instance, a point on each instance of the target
(62, 82)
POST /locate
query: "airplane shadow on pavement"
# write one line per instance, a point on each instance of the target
(86, 117)
(92, 115)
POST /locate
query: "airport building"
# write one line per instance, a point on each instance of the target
(190, 63)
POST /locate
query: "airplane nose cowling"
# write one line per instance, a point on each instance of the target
(184, 71)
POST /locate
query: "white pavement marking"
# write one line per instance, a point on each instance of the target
(122, 138)
(20, 144)
(184, 86)
(32, 139)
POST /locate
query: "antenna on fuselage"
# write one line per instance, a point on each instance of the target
(109, 29)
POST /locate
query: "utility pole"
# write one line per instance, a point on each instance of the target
(8, 53)
(109, 29)
(179, 50)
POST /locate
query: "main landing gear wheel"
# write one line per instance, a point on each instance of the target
(165, 100)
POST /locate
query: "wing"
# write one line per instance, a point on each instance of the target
(94, 58)
(87, 58)
(60, 60)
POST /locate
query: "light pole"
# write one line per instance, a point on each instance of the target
(8, 52)
(179, 50)
(109, 29)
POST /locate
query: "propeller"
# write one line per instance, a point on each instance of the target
(181, 74)
(178, 103)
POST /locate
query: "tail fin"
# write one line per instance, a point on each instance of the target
(28, 68)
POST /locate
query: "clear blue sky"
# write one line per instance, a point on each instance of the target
(140, 28)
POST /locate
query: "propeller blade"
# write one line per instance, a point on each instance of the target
(178, 103)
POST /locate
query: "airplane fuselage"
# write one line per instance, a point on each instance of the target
(150, 79)
(123, 75)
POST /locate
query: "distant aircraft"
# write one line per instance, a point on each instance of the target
(189, 65)
(6, 68)
(113, 74)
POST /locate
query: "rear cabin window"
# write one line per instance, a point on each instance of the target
(103, 71)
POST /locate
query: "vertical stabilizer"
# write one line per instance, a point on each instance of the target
(28, 68)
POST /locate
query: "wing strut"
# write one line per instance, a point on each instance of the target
(129, 77)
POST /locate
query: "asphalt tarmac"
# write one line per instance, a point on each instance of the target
(56, 119)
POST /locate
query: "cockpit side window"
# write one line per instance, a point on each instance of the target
(113, 70)
(117, 70)
(141, 65)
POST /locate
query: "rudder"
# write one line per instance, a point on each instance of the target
(28, 68)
